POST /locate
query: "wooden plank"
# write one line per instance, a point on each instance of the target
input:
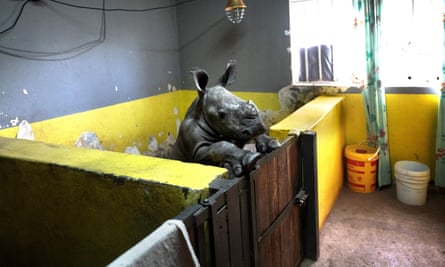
(276, 183)
(264, 212)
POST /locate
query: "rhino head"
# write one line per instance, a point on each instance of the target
(231, 117)
(218, 124)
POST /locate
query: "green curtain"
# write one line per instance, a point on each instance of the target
(440, 135)
(373, 92)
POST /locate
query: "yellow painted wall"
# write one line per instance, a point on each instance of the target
(324, 116)
(412, 121)
(354, 119)
(133, 122)
(264, 101)
(117, 126)
(330, 143)
(67, 206)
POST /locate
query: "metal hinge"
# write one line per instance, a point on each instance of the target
(301, 197)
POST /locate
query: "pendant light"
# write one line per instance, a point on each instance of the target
(235, 10)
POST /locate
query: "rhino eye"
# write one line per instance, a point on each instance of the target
(221, 114)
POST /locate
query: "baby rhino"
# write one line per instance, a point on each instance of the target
(218, 124)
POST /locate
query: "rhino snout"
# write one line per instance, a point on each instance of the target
(252, 131)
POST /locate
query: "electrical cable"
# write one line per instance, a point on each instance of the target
(122, 9)
(63, 54)
(16, 19)
(75, 51)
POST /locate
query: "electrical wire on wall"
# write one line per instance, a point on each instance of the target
(54, 55)
(78, 49)
(122, 9)
(16, 19)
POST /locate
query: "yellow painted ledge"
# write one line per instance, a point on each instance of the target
(324, 116)
(190, 175)
(67, 206)
(306, 117)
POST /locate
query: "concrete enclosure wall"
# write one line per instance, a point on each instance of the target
(56, 62)
(138, 57)
(132, 123)
(63, 206)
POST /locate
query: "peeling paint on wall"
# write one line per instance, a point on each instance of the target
(14, 122)
(133, 122)
(25, 131)
(178, 124)
(152, 144)
(89, 140)
(132, 150)
(162, 150)
(178, 121)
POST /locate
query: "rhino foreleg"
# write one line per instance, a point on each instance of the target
(228, 155)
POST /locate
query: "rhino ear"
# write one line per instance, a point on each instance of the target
(201, 78)
(229, 75)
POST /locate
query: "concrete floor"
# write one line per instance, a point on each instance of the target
(375, 229)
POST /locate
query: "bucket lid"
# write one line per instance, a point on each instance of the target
(411, 168)
(361, 152)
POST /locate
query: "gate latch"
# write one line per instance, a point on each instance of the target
(301, 198)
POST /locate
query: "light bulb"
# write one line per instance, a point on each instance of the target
(235, 15)
(235, 10)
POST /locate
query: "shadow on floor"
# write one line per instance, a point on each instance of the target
(375, 229)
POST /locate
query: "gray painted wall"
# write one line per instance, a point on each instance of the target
(142, 54)
(208, 40)
(138, 58)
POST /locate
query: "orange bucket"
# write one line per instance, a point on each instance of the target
(361, 167)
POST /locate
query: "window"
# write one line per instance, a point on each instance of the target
(412, 43)
(328, 42)
(325, 45)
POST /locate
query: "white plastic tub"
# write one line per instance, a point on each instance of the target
(412, 180)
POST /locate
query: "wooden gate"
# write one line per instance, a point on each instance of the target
(275, 185)
(267, 219)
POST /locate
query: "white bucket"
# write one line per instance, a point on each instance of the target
(412, 180)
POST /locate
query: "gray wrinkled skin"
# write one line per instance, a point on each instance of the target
(218, 125)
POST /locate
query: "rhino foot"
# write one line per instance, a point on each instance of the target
(273, 144)
(266, 144)
(249, 160)
(242, 166)
(235, 169)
